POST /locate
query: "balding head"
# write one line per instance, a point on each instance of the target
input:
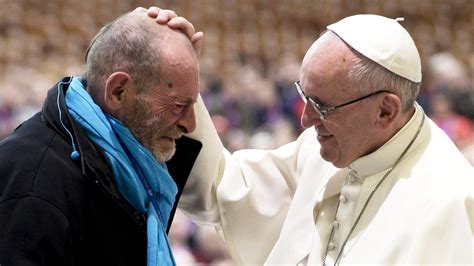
(147, 76)
(133, 43)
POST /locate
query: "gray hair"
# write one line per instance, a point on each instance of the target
(128, 45)
(375, 77)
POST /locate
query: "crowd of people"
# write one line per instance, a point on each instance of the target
(259, 109)
(253, 105)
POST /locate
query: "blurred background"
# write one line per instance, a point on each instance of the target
(250, 59)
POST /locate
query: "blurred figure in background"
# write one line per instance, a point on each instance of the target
(179, 236)
(458, 127)
(450, 77)
(449, 99)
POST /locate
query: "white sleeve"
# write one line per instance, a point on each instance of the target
(247, 194)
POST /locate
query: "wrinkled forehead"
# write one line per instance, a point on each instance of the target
(180, 70)
(178, 57)
(163, 34)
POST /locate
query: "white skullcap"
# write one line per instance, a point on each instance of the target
(382, 40)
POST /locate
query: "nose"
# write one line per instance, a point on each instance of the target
(187, 122)
(310, 117)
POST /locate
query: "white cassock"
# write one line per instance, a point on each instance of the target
(278, 206)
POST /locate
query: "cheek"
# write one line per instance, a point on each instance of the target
(164, 120)
(346, 135)
(165, 111)
(357, 138)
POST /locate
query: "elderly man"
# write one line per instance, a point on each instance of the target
(84, 181)
(386, 187)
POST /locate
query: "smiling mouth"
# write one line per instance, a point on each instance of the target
(322, 138)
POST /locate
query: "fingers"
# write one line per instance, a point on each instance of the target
(153, 11)
(170, 18)
(162, 16)
(197, 41)
(165, 15)
(182, 24)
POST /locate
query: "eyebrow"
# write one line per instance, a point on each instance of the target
(317, 100)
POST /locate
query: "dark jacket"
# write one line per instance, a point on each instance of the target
(59, 211)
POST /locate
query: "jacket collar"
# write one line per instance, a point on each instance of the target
(55, 113)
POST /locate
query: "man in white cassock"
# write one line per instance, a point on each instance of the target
(372, 180)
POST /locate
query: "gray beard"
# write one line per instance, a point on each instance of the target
(162, 156)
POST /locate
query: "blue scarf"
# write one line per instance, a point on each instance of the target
(142, 180)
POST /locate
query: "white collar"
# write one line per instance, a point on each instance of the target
(385, 156)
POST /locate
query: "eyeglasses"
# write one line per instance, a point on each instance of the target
(322, 110)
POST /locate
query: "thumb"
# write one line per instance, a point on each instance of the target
(197, 41)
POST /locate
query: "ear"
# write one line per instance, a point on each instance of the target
(389, 110)
(117, 86)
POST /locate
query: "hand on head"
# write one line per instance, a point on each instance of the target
(170, 18)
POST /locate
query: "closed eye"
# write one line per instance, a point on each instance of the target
(179, 108)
